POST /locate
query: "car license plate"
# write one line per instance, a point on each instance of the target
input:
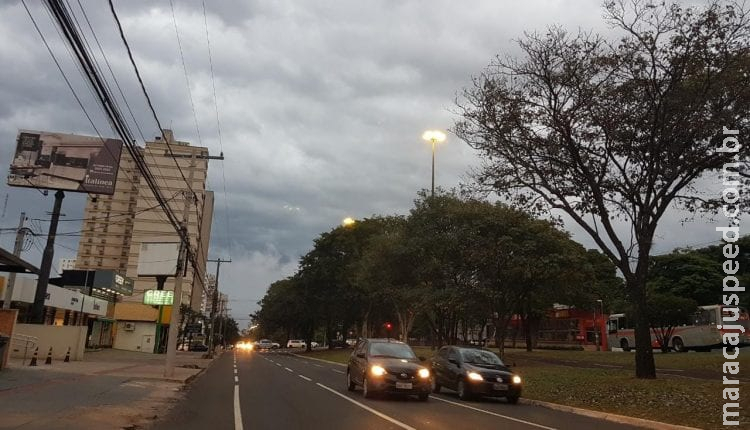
(500, 387)
(403, 385)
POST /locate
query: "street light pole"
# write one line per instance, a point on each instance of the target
(433, 136)
(596, 324)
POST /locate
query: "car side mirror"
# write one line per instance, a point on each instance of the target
(361, 355)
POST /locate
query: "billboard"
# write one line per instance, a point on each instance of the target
(158, 259)
(65, 162)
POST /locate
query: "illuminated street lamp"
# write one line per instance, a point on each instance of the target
(433, 136)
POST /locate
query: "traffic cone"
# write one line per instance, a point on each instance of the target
(67, 356)
(49, 356)
(33, 358)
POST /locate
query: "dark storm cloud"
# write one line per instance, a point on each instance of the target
(322, 105)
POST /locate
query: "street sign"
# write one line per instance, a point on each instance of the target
(158, 297)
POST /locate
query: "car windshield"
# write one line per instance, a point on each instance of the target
(391, 350)
(477, 356)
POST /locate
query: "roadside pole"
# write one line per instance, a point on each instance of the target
(20, 235)
(37, 310)
(215, 297)
(174, 320)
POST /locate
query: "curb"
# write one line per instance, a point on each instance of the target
(620, 419)
(318, 359)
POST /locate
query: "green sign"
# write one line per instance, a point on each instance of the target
(158, 297)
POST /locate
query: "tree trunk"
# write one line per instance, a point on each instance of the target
(644, 353)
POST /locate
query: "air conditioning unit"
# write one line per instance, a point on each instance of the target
(129, 326)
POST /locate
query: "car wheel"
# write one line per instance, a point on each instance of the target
(678, 345)
(463, 392)
(366, 392)
(435, 386)
(513, 399)
(624, 345)
(424, 396)
(349, 383)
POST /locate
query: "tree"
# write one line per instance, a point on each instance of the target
(665, 313)
(616, 132)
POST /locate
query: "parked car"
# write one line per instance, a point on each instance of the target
(198, 347)
(275, 345)
(387, 366)
(474, 372)
(264, 344)
(314, 344)
(296, 343)
(338, 344)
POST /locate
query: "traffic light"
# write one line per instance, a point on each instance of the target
(388, 326)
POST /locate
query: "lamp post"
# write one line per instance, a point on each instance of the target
(596, 323)
(433, 136)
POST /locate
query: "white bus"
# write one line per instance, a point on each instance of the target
(702, 335)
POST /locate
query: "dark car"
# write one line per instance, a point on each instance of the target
(198, 347)
(387, 366)
(339, 344)
(473, 372)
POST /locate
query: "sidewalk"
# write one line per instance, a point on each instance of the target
(108, 389)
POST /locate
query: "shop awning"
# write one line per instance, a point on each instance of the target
(11, 263)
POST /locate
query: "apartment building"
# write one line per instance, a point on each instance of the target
(117, 225)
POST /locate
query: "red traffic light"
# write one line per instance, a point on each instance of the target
(388, 326)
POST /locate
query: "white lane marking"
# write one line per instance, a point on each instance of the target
(236, 379)
(235, 371)
(492, 413)
(316, 364)
(305, 377)
(338, 371)
(278, 364)
(288, 369)
(367, 408)
(237, 411)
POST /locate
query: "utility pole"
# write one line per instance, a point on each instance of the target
(181, 269)
(215, 298)
(37, 310)
(20, 236)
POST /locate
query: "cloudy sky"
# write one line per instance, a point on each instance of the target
(321, 105)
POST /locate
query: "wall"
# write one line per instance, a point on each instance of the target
(7, 324)
(131, 340)
(57, 337)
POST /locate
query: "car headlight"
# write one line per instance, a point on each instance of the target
(474, 376)
(516, 379)
(424, 373)
(377, 370)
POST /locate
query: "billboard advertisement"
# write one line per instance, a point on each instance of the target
(158, 297)
(158, 259)
(65, 162)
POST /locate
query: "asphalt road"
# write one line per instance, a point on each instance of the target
(280, 391)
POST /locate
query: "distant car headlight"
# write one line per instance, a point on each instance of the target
(474, 376)
(377, 370)
(516, 379)
(424, 373)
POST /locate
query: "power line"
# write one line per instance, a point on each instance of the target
(218, 128)
(184, 68)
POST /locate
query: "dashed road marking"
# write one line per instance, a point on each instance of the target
(305, 377)
(288, 369)
(338, 371)
(367, 408)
